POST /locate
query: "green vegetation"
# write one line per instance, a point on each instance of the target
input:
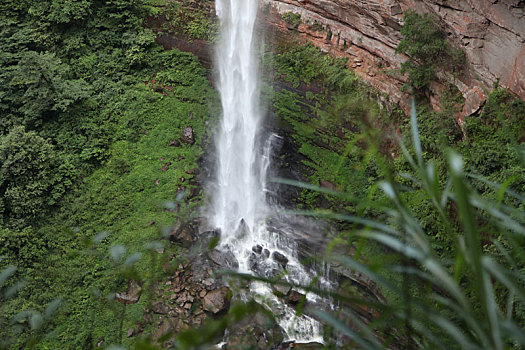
(92, 115)
(449, 218)
(428, 50)
(325, 119)
(195, 21)
(471, 297)
(292, 19)
(93, 173)
(33, 177)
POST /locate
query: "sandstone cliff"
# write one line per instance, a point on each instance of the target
(490, 32)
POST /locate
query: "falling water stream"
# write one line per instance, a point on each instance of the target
(239, 204)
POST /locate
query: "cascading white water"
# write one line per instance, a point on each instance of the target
(240, 181)
(239, 204)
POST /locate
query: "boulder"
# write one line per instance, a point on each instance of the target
(132, 296)
(183, 235)
(170, 326)
(257, 331)
(474, 100)
(207, 237)
(280, 258)
(188, 137)
(224, 259)
(243, 229)
(217, 300)
(307, 346)
(131, 332)
(281, 290)
(253, 263)
(295, 297)
(160, 308)
(174, 143)
(257, 249)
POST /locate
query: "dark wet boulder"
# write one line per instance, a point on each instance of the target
(254, 262)
(224, 259)
(280, 258)
(257, 249)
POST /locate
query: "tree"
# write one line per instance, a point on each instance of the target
(425, 44)
(33, 177)
(37, 86)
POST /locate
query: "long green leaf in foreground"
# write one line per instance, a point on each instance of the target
(445, 305)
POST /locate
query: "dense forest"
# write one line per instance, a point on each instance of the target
(104, 136)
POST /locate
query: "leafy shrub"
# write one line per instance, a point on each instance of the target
(427, 49)
(38, 85)
(292, 19)
(21, 248)
(202, 27)
(194, 21)
(33, 177)
(307, 64)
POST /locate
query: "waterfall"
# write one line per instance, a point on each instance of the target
(239, 206)
(240, 180)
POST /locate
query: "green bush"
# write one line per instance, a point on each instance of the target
(305, 63)
(194, 21)
(21, 248)
(428, 50)
(33, 177)
(292, 19)
(38, 86)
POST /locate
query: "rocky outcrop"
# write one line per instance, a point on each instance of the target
(490, 32)
(366, 32)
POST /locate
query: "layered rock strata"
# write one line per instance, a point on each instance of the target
(490, 32)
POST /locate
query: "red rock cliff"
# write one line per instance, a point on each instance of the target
(490, 32)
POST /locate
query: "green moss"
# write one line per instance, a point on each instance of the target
(325, 123)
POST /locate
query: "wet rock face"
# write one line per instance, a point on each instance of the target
(490, 32)
(225, 259)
